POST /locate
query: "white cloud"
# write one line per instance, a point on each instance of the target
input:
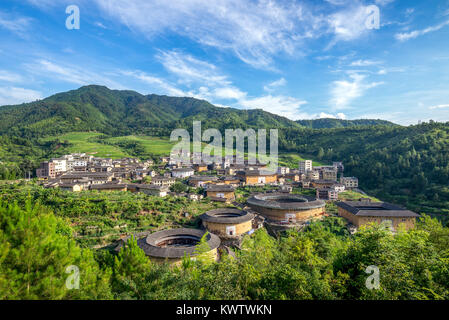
(416, 33)
(383, 2)
(384, 71)
(70, 74)
(155, 83)
(255, 31)
(365, 63)
(349, 24)
(441, 106)
(409, 11)
(229, 93)
(192, 72)
(393, 116)
(345, 91)
(100, 25)
(190, 69)
(204, 80)
(10, 77)
(339, 115)
(282, 105)
(43, 4)
(275, 84)
(14, 95)
(18, 25)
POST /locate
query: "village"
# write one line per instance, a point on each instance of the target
(79, 171)
(277, 209)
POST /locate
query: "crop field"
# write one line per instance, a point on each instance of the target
(85, 142)
(154, 145)
(88, 142)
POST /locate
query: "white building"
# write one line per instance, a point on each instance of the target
(80, 163)
(182, 173)
(283, 170)
(60, 165)
(305, 166)
(75, 163)
(152, 173)
(226, 163)
(350, 182)
(339, 187)
(313, 175)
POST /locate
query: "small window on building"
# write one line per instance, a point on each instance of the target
(230, 231)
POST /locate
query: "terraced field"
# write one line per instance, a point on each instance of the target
(155, 145)
(88, 142)
(85, 142)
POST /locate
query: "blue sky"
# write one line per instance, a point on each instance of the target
(299, 59)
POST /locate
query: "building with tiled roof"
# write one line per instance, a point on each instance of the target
(364, 212)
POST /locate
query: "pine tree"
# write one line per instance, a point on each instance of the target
(36, 250)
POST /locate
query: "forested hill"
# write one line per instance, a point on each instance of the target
(406, 165)
(339, 123)
(115, 112)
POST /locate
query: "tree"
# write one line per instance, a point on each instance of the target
(131, 266)
(36, 251)
(320, 153)
(179, 187)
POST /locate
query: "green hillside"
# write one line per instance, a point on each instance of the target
(87, 142)
(96, 108)
(339, 123)
(407, 165)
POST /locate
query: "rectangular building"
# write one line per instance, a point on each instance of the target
(363, 212)
(350, 182)
(255, 177)
(329, 174)
(60, 165)
(46, 170)
(221, 192)
(327, 194)
(161, 181)
(305, 166)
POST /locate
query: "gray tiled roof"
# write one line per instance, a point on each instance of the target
(227, 215)
(108, 186)
(149, 243)
(375, 209)
(278, 201)
(203, 178)
(260, 173)
(221, 187)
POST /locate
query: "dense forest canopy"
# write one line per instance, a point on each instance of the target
(323, 262)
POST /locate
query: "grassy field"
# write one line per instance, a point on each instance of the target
(86, 142)
(349, 195)
(155, 145)
(82, 142)
(291, 160)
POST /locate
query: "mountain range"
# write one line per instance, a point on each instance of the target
(122, 112)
